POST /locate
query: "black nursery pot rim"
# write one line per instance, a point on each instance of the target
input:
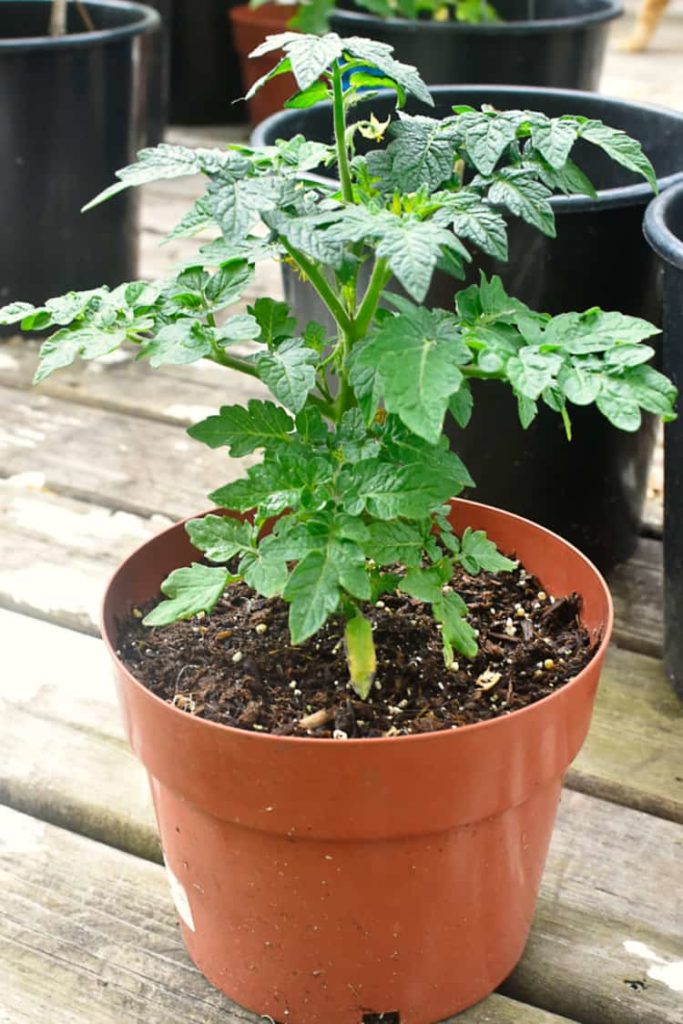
(142, 20)
(623, 195)
(666, 243)
(605, 10)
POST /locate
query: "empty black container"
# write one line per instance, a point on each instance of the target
(204, 68)
(664, 232)
(559, 43)
(591, 490)
(72, 111)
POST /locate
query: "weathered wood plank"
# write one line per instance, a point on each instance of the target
(634, 754)
(636, 587)
(172, 394)
(100, 944)
(148, 468)
(112, 919)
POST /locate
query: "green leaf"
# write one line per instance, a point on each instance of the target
(190, 590)
(85, 340)
(259, 425)
(519, 192)
(220, 538)
(361, 654)
(423, 154)
(595, 331)
(238, 328)
(473, 219)
(651, 389)
(450, 610)
(477, 552)
(264, 571)
(317, 92)
(579, 385)
(423, 584)
(289, 372)
(165, 161)
(15, 312)
(312, 591)
(619, 405)
(554, 140)
(461, 404)
(412, 248)
(379, 56)
(273, 319)
(179, 343)
(228, 283)
(390, 491)
(527, 410)
(416, 357)
(486, 138)
(532, 371)
(620, 147)
(391, 542)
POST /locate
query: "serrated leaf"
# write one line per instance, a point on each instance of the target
(15, 312)
(532, 371)
(190, 590)
(412, 248)
(220, 538)
(621, 148)
(165, 161)
(579, 385)
(486, 137)
(423, 154)
(460, 404)
(554, 140)
(238, 328)
(228, 283)
(379, 56)
(273, 319)
(264, 571)
(477, 552)
(595, 331)
(198, 218)
(317, 92)
(450, 610)
(394, 542)
(527, 410)
(416, 357)
(85, 340)
(519, 192)
(312, 591)
(422, 584)
(289, 372)
(179, 343)
(259, 425)
(473, 219)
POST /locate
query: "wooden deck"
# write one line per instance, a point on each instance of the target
(87, 929)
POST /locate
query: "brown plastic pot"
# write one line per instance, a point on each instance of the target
(250, 26)
(325, 882)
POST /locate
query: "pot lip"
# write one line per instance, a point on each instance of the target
(605, 10)
(636, 194)
(656, 228)
(301, 742)
(148, 20)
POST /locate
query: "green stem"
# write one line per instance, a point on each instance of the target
(233, 363)
(340, 134)
(321, 285)
(368, 307)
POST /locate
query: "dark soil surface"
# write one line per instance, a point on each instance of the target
(236, 666)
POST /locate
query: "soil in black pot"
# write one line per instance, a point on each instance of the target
(237, 667)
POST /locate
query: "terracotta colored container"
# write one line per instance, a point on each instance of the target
(250, 26)
(324, 882)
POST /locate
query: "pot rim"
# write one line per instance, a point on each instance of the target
(441, 735)
(148, 20)
(606, 10)
(656, 228)
(619, 196)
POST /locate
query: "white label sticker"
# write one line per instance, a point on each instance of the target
(182, 903)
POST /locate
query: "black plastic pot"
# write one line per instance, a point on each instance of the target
(204, 68)
(592, 490)
(72, 111)
(559, 43)
(664, 231)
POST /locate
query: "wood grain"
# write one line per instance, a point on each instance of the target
(637, 589)
(101, 944)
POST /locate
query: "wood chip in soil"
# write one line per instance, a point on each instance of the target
(237, 667)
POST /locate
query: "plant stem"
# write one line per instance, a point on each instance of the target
(373, 293)
(58, 18)
(340, 134)
(321, 285)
